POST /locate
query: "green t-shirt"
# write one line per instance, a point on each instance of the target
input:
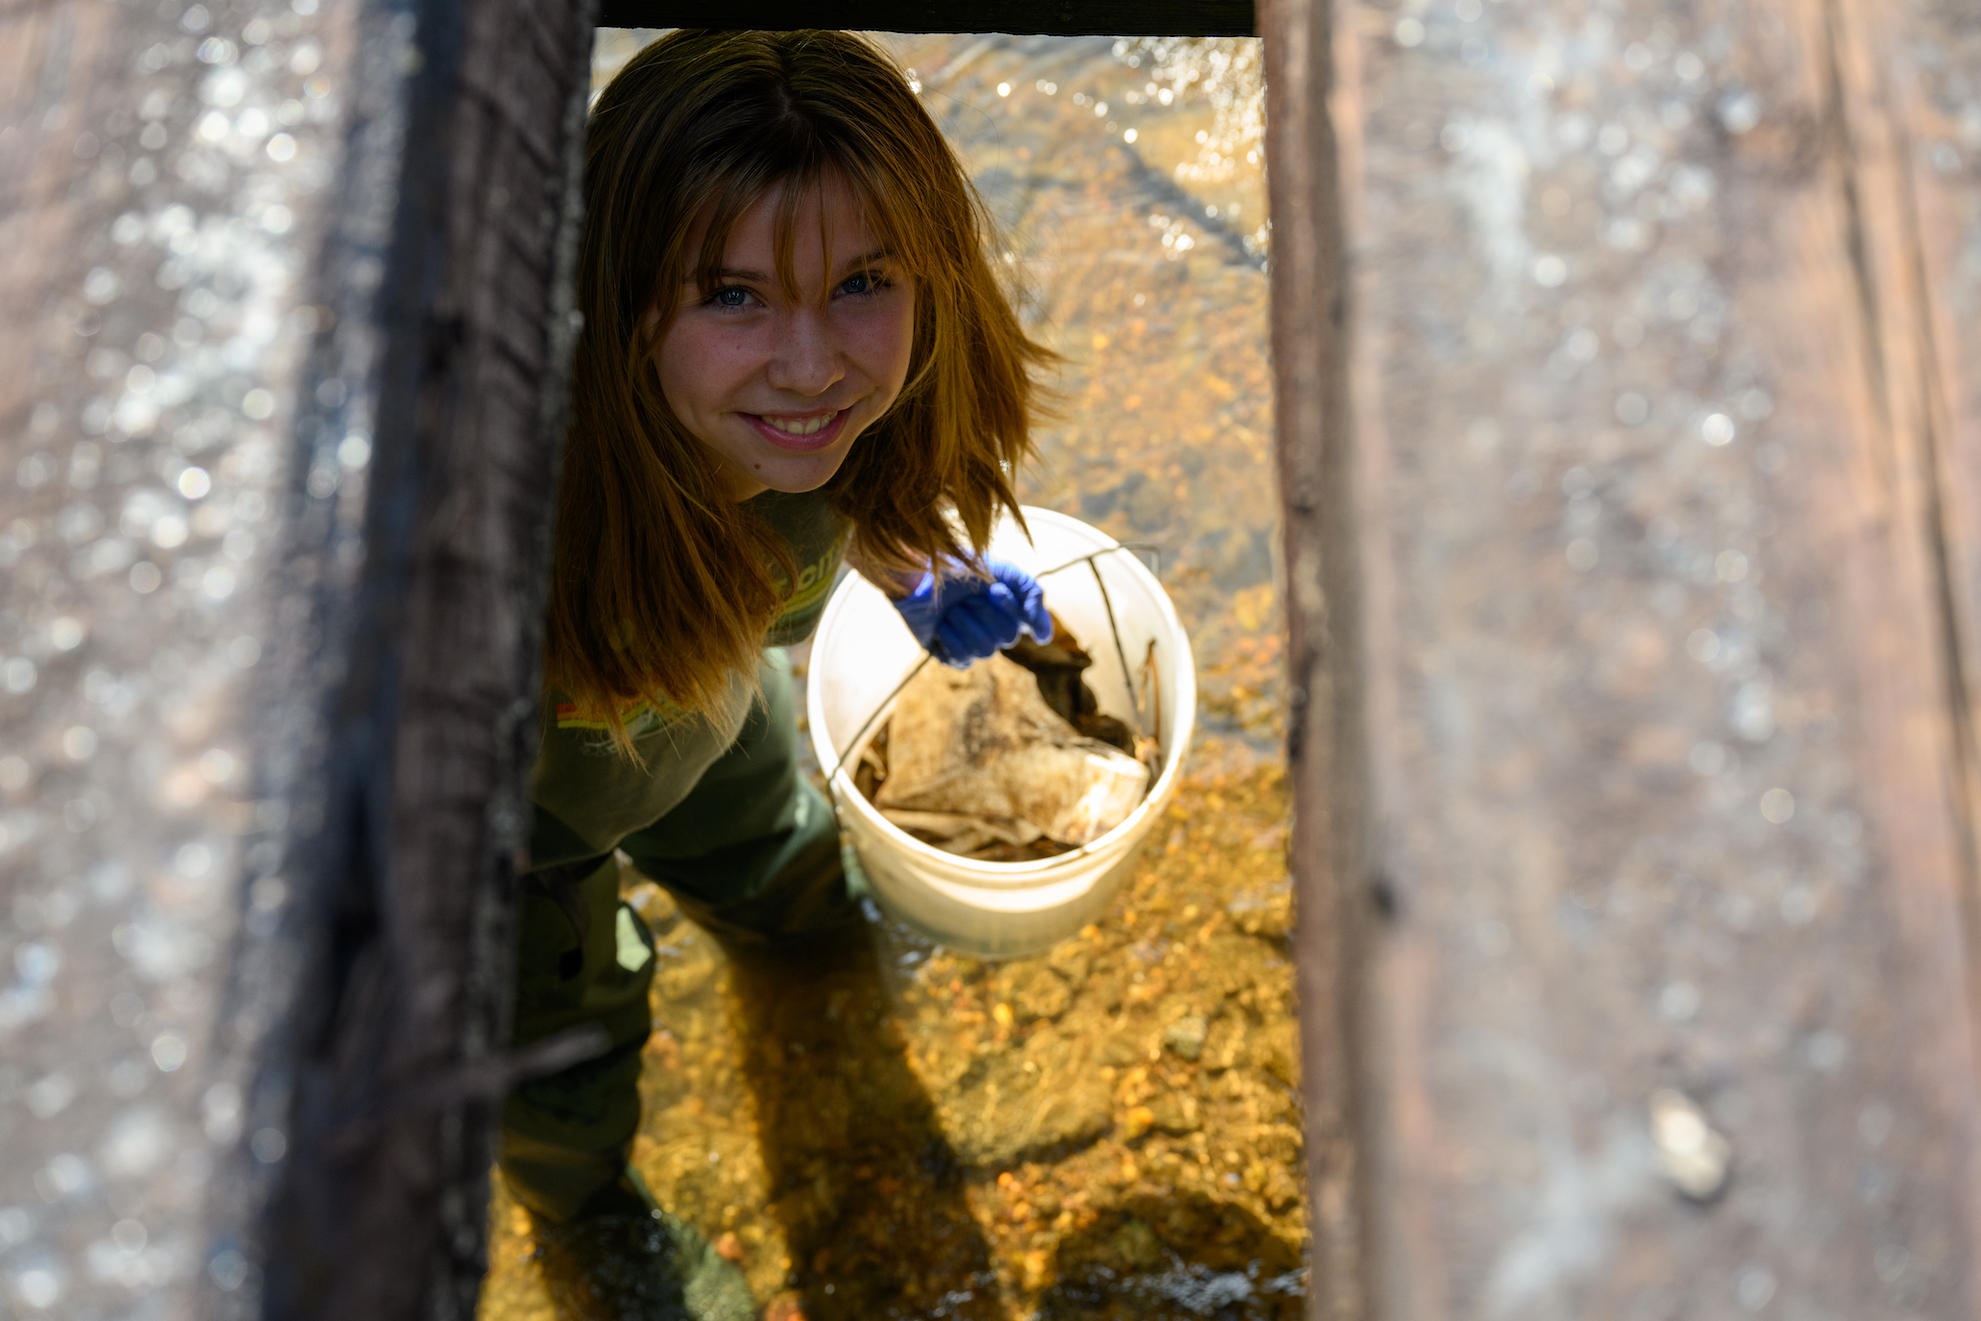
(589, 796)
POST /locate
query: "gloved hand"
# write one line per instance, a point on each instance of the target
(962, 618)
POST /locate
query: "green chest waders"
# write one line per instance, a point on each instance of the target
(744, 843)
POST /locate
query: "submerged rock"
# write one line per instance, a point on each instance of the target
(1072, 960)
(1186, 1036)
(1033, 990)
(1039, 1101)
(1176, 1112)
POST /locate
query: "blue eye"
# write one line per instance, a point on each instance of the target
(864, 285)
(731, 296)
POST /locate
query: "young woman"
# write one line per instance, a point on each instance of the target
(795, 351)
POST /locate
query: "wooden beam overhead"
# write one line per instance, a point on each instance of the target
(1114, 18)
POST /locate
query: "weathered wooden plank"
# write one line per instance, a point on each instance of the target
(1325, 753)
(1912, 81)
(164, 181)
(280, 408)
(1936, 49)
(1664, 741)
(1115, 18)
(402, 943)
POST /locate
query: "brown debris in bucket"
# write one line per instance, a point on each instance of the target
(1011, 760)
(1059, 665)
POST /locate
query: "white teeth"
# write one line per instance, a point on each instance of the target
(799, 426)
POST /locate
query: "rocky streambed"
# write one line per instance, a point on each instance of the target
(886, 1129)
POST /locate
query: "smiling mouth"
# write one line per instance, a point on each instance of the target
(800, 426)
(791, 432)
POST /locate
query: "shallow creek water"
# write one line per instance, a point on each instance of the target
(886, 1129)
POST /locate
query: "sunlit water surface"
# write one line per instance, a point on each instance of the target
(890, 1130)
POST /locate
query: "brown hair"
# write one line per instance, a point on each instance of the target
(662, 589)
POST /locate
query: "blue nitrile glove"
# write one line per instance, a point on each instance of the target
(962, 618)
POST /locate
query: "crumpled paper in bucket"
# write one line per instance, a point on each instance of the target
(976, 758)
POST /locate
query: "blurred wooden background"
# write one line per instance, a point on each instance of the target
(1662, 369)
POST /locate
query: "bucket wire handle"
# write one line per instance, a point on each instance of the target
(1126, 677)
(858, 739)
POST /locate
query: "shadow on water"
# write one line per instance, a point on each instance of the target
(867, 1188)
(1181, 1256)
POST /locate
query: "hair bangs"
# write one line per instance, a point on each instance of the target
(890, 222)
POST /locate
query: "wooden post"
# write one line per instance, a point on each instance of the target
(282, 401)
(1325, 718)
(1112, 18)
(1667, 566)
(402, 945)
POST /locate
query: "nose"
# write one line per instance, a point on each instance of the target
(806, 360)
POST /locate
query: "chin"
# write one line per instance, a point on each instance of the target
(795, 477)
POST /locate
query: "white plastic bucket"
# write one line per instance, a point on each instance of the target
(862, 653)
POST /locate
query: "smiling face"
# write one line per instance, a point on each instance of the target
(779, 386)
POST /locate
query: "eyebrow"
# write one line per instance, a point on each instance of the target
(758, 277)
